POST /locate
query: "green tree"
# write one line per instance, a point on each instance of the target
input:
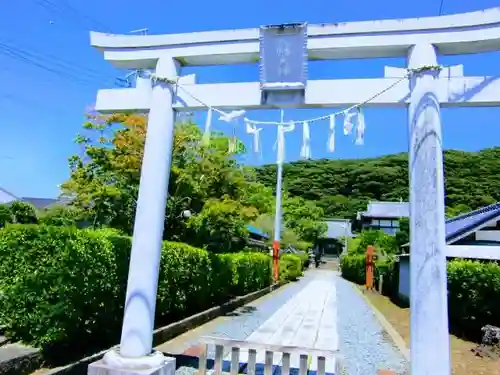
(59, 215)
(457, 210)
(104, 179)
(403, 234)
(384, 244)
(304, 218)
(221, 225)
(343, 187)
(288, 237)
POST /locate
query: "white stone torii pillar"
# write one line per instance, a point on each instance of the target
(136, 340)
(463, 33)
(428, 281)
(136, 344)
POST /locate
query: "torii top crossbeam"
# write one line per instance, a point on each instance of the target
(464, 33)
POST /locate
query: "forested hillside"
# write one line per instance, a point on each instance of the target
(342, 187)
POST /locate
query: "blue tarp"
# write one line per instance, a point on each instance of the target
(257, 231)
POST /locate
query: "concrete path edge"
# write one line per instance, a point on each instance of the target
(391, 331)
(19, 359)
(170, 331)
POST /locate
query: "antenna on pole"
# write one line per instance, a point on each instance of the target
(125, 82)
(139, 31)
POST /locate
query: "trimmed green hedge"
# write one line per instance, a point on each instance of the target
(473, 290)
(64, 288)
(353, 268)
(290, 267)
(473, 296)
(304, 259)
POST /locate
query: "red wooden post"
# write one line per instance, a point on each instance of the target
(369, 268)
(276, 257)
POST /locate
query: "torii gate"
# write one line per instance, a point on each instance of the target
(419, 39)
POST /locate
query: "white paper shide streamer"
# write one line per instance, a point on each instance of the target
(252, 129)
(282, 129)
(348, 122)
(305, 151)
(360, 128)
(206, 134)
(230, 118)
(353, 120)
(232, 142)
(331, 135)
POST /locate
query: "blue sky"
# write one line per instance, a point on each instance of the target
(42, 111)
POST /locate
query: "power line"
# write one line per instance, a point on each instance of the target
(21, 57)
(54, 65)
(64, 69)
(58, 61)
(85, 16)
(63, 8)
(57, 9)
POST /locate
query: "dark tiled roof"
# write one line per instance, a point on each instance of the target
(337, 228)
(387, 210)
(462, 224)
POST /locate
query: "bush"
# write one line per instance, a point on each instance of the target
(250, 272)
(5, 215)
(290, 267)
(473, 295)
(304, 259)
(473, 290)
(389, 269)
(60, 285)
(63, 286)
(62, 216)
(353, 268)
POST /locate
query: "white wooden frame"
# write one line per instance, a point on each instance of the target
(254, 347)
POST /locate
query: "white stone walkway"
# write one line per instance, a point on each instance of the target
(307, 320)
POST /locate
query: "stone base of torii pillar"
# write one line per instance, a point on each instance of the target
(114, 364)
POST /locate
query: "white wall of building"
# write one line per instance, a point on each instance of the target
(488, 235)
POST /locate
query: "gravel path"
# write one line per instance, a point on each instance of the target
(365, 346)
(242, 322)
(245, 320)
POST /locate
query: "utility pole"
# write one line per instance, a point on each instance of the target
(277, 217)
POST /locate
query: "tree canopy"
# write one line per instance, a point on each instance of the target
(343, 187)
(205, 179)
